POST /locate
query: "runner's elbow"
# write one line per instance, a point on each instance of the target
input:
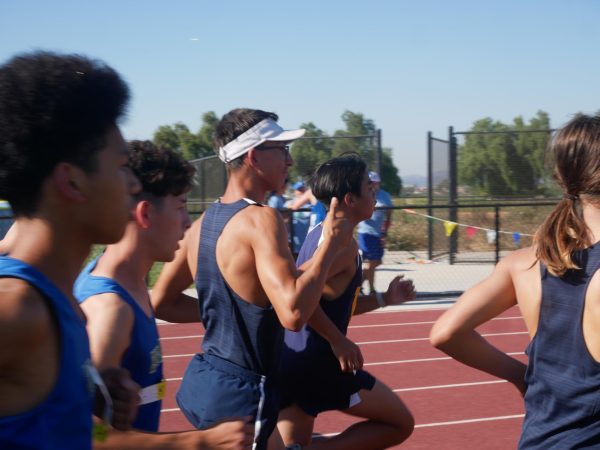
(292, 320)
(441, 334)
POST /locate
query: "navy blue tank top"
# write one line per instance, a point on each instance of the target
(237, 331)
(143, 357)
(63, 421)
(339, 310)
(562, 401)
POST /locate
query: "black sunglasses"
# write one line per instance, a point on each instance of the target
(283, 148)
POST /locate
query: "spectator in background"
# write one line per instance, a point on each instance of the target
(278, 201)
(276, 198)
(300, 219)
(372, 232)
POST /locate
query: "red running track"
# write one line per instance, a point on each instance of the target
(455, 407)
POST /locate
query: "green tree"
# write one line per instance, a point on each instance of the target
(357, 125)
(205, 134)
(390, 180)
(309, 153)
(505, 162)
(191, 145)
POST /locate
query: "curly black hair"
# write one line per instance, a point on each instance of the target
(161, 171)
(53, 108)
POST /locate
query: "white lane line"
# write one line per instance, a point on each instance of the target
(169, 410)
(453, 422)
(422, 425)
(430, 322)
(186, 355)
(408, 361)
(391, 341)
(479, 419)
(426, 339)
(403, 361)
(447, 386)
(197, 336)
(194, 336)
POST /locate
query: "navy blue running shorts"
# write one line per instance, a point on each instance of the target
(214, 389)
(322, 386)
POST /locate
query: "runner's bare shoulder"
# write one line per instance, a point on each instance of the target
(25, 320)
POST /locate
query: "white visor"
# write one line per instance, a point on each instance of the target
(265, 130)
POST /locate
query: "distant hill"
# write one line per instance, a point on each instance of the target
(414, 180)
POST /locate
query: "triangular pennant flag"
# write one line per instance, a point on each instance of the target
(491, 236)
(449, 227)
(517, 238)
(471, 232)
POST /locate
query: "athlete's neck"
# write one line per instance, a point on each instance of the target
(244, 184)
(54, 249)
(591, 217)
(128, 261)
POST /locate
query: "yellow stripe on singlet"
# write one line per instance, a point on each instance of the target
(355, 299)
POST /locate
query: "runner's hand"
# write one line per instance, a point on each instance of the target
(235, 434)
(125, 396)
(348, 354)
(399, 291)
(335, 228)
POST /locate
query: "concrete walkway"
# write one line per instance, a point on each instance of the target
(438, 283)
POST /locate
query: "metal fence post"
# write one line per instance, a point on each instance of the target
(203, 182)
(429, 196)
(452, 194)
(497, 227)
(379, 150)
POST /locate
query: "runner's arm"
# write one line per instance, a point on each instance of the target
(109, 325)
(347, 352)
(294, 297)
(454, 332)
(236, 434)
(398, 292)
(26, 326)
(168, 299)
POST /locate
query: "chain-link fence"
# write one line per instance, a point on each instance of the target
(483, 234)
(438, 174)
(307, 152)
(475, 165)
(210, 179)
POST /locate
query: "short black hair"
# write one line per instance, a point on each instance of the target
(234, 123)
(53, 108)
(161, 171)
(338, 177)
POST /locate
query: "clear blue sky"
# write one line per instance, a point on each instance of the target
(411, 66)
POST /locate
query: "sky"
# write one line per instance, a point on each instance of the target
(410, 66)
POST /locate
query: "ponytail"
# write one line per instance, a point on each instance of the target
(560, 235)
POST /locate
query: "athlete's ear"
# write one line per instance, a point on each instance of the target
(141, 213)
(251, 158)
(349, 199)
(70, 181)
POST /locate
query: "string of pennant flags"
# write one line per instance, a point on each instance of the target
(471, 230)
